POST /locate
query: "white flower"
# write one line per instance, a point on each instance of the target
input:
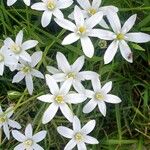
(59, 99)
(29, 141)
(72, 72)
(90, 9)
(82, 29)
(79, 136)
(11, 2)
(99, 96)
(120, 37)
(51, 7)
(5, 59)
(6, 122)
(18, 48)
(27, 71)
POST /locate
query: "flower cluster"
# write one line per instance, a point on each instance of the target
(66, 82)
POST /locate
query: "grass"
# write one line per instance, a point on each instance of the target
(127, 125)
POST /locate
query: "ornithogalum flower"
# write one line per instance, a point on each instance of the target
(59, 99)
(99, 96)
(79, 136)
(90, 9)
(27, 71)
(11, 2)
(51, 7)
(82, 29)
(73, 72)
(18, 48)
(29, 141)
(6, 122)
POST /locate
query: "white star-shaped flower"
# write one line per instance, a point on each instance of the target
(27, 71)
(90, 9)
(51, 7)
(5, 59)
(120, 37)
(11, 2)
(60, 98)
(6, 122)
(29, 141)
(73, 72)
(81, 30)
(79, 136)
(99, 96)
(18, 48)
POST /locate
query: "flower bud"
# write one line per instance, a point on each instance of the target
(13, 95)
(102, 44)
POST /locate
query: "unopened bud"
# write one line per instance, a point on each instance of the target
(13, 95)
(102, 44)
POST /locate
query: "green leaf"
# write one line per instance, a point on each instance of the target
(137, 47)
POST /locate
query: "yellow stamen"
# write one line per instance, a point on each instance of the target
(2, 119)
(15, 48)
(120, 36)
(1, 57)
(81, 29)
(59, 99)
(71, 75)
(92, 11)
(28, 143)
(99, 96)
(26, 69)
(78, 137)
(51, 4)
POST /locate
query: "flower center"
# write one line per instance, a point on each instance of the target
(28, 143)
(99, 96)
(120, 36)
(92, 11)
(59, 99)
(2, 119)
(26, 69)
(78, 137)
(51, 5)
(82, 30)
(71, 75)
(1, 57)
(16, 48)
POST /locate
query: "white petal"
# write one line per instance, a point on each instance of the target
(19, 38)
(85, 4)
(58, 14)
(90, 106)
(14, 124)
(89, 93)
(27, 2)
(9, 111)
(138, 37)
(76, 98)
(90, 140)
(29, 44)
(39, 136)
(52, 70)
(59, 77)
(37, 74)
(66, 24)
(39, 6)
(96, 84)
(36, 57)
(128, 24)
(1, 111)
(102, 108)
(52, 84)
(62, 4)
(110, 52)
(71, 38)
(106, 9)
(81, 146)
(8, 42)
(48, 98)
(6, 130)
(112, 99)
(89, 127)
(103, 24)
(94, 20)
(46, 18)
(96, 3)
(70, 145)
(10, 2)
(66, 112)
(18, 77)
(20, 147)
(49, 113)
(125, 51)
(78, 16)
(107, 87)
(89, 75)
(28, 131)
(78, 87)
(76, 124)
(78, 64)
(87, 47)
(29, 83)
(37, 147)
(18, 136)
(64, 131)
(62, 62)
(114, 21)
(1, 68)
(25, 56)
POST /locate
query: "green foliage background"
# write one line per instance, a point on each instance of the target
(127, 125)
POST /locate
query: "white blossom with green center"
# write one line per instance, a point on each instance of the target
(79, 135)
(73, 72)
(29, 141)
(6, 122)
(51, 8)
(59, 98)
(100, 96)
(11, 2)
(27, 70)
